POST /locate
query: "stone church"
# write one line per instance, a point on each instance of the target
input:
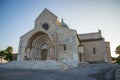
(51, 39)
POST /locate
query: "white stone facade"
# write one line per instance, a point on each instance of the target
(53, 40)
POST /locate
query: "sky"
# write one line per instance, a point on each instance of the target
(17, 17)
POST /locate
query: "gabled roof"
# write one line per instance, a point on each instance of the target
(91, 36)
(44, 11)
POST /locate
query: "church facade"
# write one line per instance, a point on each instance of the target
(54, 40)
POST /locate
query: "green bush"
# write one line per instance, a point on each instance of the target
(118, 60)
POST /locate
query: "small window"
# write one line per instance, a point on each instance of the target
(94, 50)
(45, 26)
(64, 47)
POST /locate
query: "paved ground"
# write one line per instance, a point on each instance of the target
(89, 72)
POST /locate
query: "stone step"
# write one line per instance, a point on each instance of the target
(63, 65)
(48, 64)
(117, 74)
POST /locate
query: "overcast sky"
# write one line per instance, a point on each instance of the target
(86, 16)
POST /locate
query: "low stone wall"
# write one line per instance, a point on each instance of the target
(117, 74)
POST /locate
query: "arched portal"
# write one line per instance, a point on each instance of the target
(39, 47)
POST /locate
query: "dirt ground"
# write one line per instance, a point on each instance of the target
(78, 73)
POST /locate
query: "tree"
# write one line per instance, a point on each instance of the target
(113, 58)
(9, 49)
(118, 50)
(8, 55)
(118, 60)
(2, 54)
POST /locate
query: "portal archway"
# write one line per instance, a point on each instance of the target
(39, 46)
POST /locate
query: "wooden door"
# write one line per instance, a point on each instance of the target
(44, 54)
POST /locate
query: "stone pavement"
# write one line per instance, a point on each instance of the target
(102, 71)
(117, 74)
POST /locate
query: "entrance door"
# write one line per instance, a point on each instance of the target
(80, 56)
(44, 54)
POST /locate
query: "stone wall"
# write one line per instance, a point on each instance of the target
(108, 52)
(94, 56)
(67, 38)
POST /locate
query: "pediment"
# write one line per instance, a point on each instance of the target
(45, 17)
(46, 13)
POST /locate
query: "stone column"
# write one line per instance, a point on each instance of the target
(28, 52)
(30, 55)
(48, 53)
(37, 54)
(33, 54)
(52, 56)
(55, 52)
